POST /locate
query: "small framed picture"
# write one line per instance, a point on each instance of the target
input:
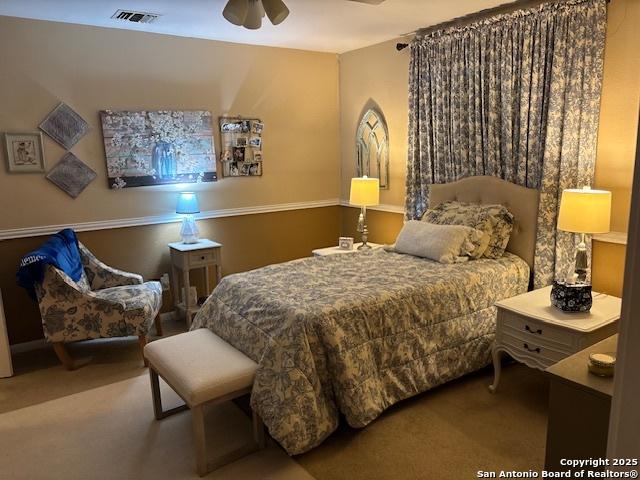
(241, 142)
(233, 169)
(257, 128)
(255, 169)
(238, 154)
(25, 153)
(229, 127)
(345, 243)
(71, 175)
(255, 142)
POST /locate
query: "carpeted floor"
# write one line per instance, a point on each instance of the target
(97, 422)
(448, 433)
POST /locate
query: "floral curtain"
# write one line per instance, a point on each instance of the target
(515, 96)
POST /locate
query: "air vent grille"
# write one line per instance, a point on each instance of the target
(135, 17)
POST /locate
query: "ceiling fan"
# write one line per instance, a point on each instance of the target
(249, 13)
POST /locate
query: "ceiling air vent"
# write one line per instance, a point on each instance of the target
(135, 17)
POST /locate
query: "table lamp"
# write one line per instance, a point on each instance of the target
(188, 206)
(584, 211)
(365, 192)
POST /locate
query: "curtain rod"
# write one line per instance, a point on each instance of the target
(475, 16)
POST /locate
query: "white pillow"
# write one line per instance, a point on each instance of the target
(442, 243)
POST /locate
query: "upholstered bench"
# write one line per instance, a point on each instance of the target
(203, 369)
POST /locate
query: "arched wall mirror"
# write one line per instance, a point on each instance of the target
(372, 146)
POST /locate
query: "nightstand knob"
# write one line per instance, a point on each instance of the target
(528, 329)
(535, 350)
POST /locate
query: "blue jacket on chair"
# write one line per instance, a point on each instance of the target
(61, 251)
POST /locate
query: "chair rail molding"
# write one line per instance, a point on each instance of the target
(9, 234)
(383, 207)
(612, 237)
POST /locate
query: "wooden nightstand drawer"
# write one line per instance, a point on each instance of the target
(540, 352)
(201, 258)
(531, 330)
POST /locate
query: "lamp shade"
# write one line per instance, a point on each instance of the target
(187, 203)
(585, 211)
(364, 191)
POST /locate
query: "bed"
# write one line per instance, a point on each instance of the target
(354, 334)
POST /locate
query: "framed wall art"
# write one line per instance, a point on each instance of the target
(65, 126)
(158, 147)
(241, 146)
(71, 175)
(372, 147)
(25, 153)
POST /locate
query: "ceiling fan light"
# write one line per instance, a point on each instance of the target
(276, 10)
(253, 21)
(236, 11)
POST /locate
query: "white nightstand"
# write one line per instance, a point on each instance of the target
(322, 252)
(537, 334)
(189, 256)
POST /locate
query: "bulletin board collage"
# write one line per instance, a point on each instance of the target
(241, 143)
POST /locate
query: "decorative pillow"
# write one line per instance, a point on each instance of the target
(495, 221)
(442, 243)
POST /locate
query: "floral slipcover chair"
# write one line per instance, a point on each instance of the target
(104, 303)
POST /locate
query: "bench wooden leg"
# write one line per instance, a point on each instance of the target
(157, 398)
(142, 341)
(199, 440)
(258, 430)
(155, 394)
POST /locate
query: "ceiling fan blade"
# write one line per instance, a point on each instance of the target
(276, 10)
(370, 2)
(236, 11)
(254, 15)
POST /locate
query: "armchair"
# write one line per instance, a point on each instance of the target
(104, 303)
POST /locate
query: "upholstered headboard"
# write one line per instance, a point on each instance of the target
(522, 203)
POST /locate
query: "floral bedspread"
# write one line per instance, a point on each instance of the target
(356, 333)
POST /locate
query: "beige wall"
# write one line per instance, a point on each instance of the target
(376, 74)
(617, 135)
(380, 73)
(294, 92)
(619, 108)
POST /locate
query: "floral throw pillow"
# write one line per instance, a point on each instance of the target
(495, 221)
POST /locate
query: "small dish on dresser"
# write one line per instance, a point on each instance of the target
(602, 364)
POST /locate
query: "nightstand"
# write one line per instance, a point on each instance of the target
(538, 334)
(323, 252)
(190, 256)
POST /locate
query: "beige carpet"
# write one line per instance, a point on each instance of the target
(109, 433)
(97, 422)
(448, 433)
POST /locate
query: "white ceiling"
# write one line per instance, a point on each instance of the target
(323, 25)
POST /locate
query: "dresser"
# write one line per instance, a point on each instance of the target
(185, 257)
(579, 408)
(539, 335)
